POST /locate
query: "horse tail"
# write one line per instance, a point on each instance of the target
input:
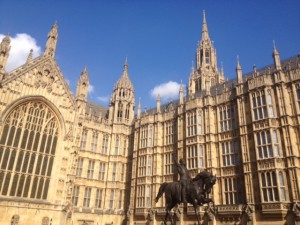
(161, 191)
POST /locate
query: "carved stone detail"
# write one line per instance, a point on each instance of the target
(249, 212)
(296, 210)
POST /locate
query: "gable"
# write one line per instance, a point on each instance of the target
(43, 77)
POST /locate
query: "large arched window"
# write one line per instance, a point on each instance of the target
(27, 150)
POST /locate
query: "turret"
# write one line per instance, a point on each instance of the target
(158, 101)
(83, 85)
(239, 74)
(52, 41)
(29, 58)
(207, 73)
(4, 53)
(181, 94)
(206, 54)
(276, 57)
(139, 110)
(122, 101)
(82, 91)
(191, 88)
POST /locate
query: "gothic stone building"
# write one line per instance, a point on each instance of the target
(64, 160)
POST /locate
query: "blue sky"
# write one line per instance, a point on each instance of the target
(159, 37)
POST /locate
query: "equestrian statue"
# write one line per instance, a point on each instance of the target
(187, 190)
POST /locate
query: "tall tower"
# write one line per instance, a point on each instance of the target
(122, 103)
(82, 91)
(4, 53)
(52, 41)
(206, 73)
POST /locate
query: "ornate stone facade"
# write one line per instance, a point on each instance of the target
(64, 160)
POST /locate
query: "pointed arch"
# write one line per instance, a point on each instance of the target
(29, 138)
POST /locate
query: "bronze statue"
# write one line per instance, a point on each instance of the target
(196, 192)
(185, 178)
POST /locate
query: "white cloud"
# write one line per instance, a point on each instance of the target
(103, 99)
(167, 91)
(20, 48)
(91, 89)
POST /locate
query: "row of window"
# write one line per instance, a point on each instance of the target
(105, 141)
(272, 188)
(146, 137)
(143, 196)
(94, 197)
(262, 107)
(101, 170)
(145, 165)
(267, 147)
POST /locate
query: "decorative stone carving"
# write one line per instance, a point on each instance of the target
(248, 211)
(44, 78)
(69, 135)
(68, 208)
(210, 213)
(177, 213)
(15, 220)
(45, 220)
(128, 214)
(296, 210)
(151, 214)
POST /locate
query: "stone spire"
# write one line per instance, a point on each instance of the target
(29, 58)
(124, 81)
(205, 35)
(4, 53)
(239, 74)
(276, 57)
(122, 101)
(83, 85)
(52, 41)
(207, 73)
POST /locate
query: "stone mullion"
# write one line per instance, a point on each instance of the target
(287, 144)
(246, 158)
(13, 172)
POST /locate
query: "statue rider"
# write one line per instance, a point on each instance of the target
(185, 178)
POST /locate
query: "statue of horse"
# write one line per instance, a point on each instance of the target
(197, 191)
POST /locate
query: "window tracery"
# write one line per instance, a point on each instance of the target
(27, 150)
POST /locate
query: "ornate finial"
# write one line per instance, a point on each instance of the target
(7, 38)
(125, 66)
(204, 28)
(52, 40)
(238, 66)
(222, 68)
(29, 58)
(204, 17)
(158, 97)
(5, 49)
(84, 70)
(275, 52)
